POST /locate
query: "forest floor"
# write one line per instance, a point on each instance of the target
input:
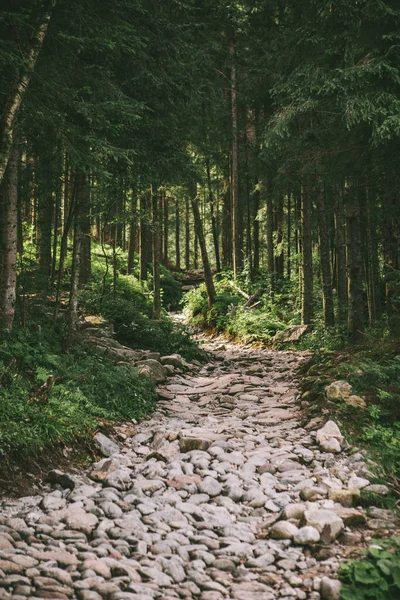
(226, 491)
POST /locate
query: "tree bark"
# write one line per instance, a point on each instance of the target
(165, 227)
(9, 221)
(84, 228)
(19, 87)
(307, 262)
(156, 203)
(213, 219)
(177, 236)
(144, 236)
(187, 235)
(270, 230)
(208, 277)
(236, 229)
(355, 266)
(132, 233)
(324, 251)
(341, 268)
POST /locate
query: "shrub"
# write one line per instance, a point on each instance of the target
(377, 577)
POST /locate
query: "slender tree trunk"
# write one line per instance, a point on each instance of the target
(324, 251)
(236, 229)
(156, 255)
(213, 219)
(63, 247)
(20, 85)
(187, 235)
(226, 227)
(355, 265)
(341, 268)
(132, 233)
(279, 259)
(307, 262)
(9, 222)
(73, 315)
(270, 231)
(204, 254)
(166, 227)
(84, 228)
(289, 236)
(144, 239)
(177, 236)
(391, 243)
(45, 224)
(375, 277)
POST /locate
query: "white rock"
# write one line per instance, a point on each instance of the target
(330, 589)
(306, 535)
(283, 530)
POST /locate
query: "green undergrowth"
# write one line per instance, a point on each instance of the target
(373, 370)
(377, 576)
(36, 413)
(229, 315)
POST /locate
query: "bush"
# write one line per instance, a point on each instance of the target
(86, 387)
(377, 577)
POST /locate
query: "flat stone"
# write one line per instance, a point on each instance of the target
(210, 486)
(345, 497)
(105, 446)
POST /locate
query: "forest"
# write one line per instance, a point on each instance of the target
(255, 143)
(228, 169)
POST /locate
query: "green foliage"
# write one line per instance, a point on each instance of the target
(376, 577)
(374, 373)
(86, 387)
(230, 316)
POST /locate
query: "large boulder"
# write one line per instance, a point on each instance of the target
(338, 391)
(152, 369)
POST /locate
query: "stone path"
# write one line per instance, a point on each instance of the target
(220, 494)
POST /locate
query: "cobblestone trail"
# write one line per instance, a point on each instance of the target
(221, 494)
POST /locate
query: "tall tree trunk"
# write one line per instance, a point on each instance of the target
(341, 268)
(45, 225)
(177, 236)
(156, 203)
(236, 229)
(307, 262)
(165, 227)
(187, 235)
(144, 236)
(392, 258)
(226, 227)
(324, 251)
(289, 236)
(279, 259)
(84, 229)
(132, 233)
(9, 222)
(20, 85)
(375, 277)
(213, 219)
(73, 315)
(203, 249)
(270, 231)
(64, 246)
(355, 265)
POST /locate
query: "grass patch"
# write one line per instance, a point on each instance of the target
(86, 387)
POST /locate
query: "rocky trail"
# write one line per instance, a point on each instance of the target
(225, 492)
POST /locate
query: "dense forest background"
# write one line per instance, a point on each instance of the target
(256, 140)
